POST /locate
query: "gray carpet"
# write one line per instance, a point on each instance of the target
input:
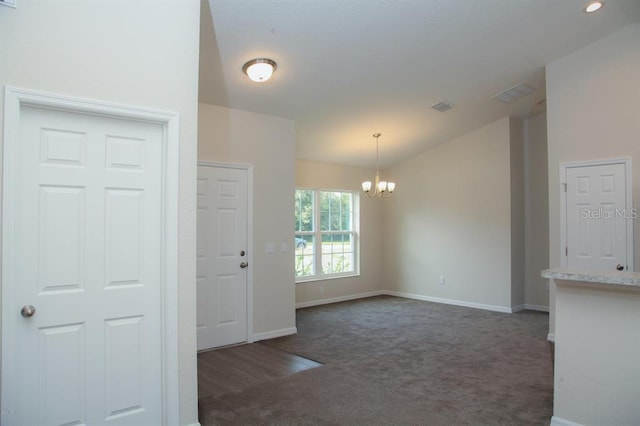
(394, 361)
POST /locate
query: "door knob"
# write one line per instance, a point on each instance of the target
(619, 267)
(244, 265)
(28, 311)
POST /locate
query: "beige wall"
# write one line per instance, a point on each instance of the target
(267, 143)
(517, 199)
(536, 212)
(451, 216)
(596, 378)
(593, 99)
(331, 176)
(130, 53)
(521, 158)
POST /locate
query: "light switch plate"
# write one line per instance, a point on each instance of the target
(284, 247)
(270, 248)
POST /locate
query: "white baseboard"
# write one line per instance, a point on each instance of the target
(338, 299)
(551, 337)
(495, 308)
(518, 308)
(194, 424)
(539, 308)
(273, 334)
(557, 421)
(504, 309)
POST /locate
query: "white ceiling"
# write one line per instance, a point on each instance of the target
(350, 68)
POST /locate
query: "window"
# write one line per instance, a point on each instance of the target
(325, 243)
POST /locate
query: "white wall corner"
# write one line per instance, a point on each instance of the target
(518, 308)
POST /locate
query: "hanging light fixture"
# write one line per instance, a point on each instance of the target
(259, 69)
(381, 188)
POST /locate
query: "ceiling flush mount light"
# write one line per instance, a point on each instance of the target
(593, 6)
(381, 188)
(259, 69)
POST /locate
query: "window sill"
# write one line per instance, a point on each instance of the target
(326, 277)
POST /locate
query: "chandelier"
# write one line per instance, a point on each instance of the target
(381, 188)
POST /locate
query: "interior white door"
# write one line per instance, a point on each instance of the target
(597, 217)
(85, 251)
(222, 258)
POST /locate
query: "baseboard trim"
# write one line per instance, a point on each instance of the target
(195, 424)
(273, 334)
(538, 308)
(551, 337)
(494, 308)
(338, 299)
(557, 421)
(518, 308)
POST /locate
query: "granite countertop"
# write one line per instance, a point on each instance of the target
(631, 279)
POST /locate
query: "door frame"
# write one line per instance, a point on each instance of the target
(15, 100)
(249, 169)
(626, 161)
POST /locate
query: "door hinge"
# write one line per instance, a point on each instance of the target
(565, 187)
(566, 251)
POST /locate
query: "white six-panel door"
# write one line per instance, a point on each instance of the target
(598, 219)
(85, 252)
(222, 258)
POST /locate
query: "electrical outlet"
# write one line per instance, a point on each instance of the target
(441, 279)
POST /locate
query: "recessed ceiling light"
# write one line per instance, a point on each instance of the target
(259, 69)
(593, 6)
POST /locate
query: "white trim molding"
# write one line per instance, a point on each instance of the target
(495, 308)
(273, 334)
(15, 100)
(538, 308)
(339, 299)
(557, 421)
(551, 337)
(10, 3)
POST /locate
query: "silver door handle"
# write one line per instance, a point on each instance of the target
(28, 311)
(619, 267)
(244, 265)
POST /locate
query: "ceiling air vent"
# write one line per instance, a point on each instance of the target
(516, 92)
(442, 106)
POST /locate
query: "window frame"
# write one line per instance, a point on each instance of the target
(317, 234)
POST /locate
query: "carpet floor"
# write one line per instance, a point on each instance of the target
(395, 361)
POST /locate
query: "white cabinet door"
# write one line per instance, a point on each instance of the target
(85, 250)
(222, 258)
(597, 217)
